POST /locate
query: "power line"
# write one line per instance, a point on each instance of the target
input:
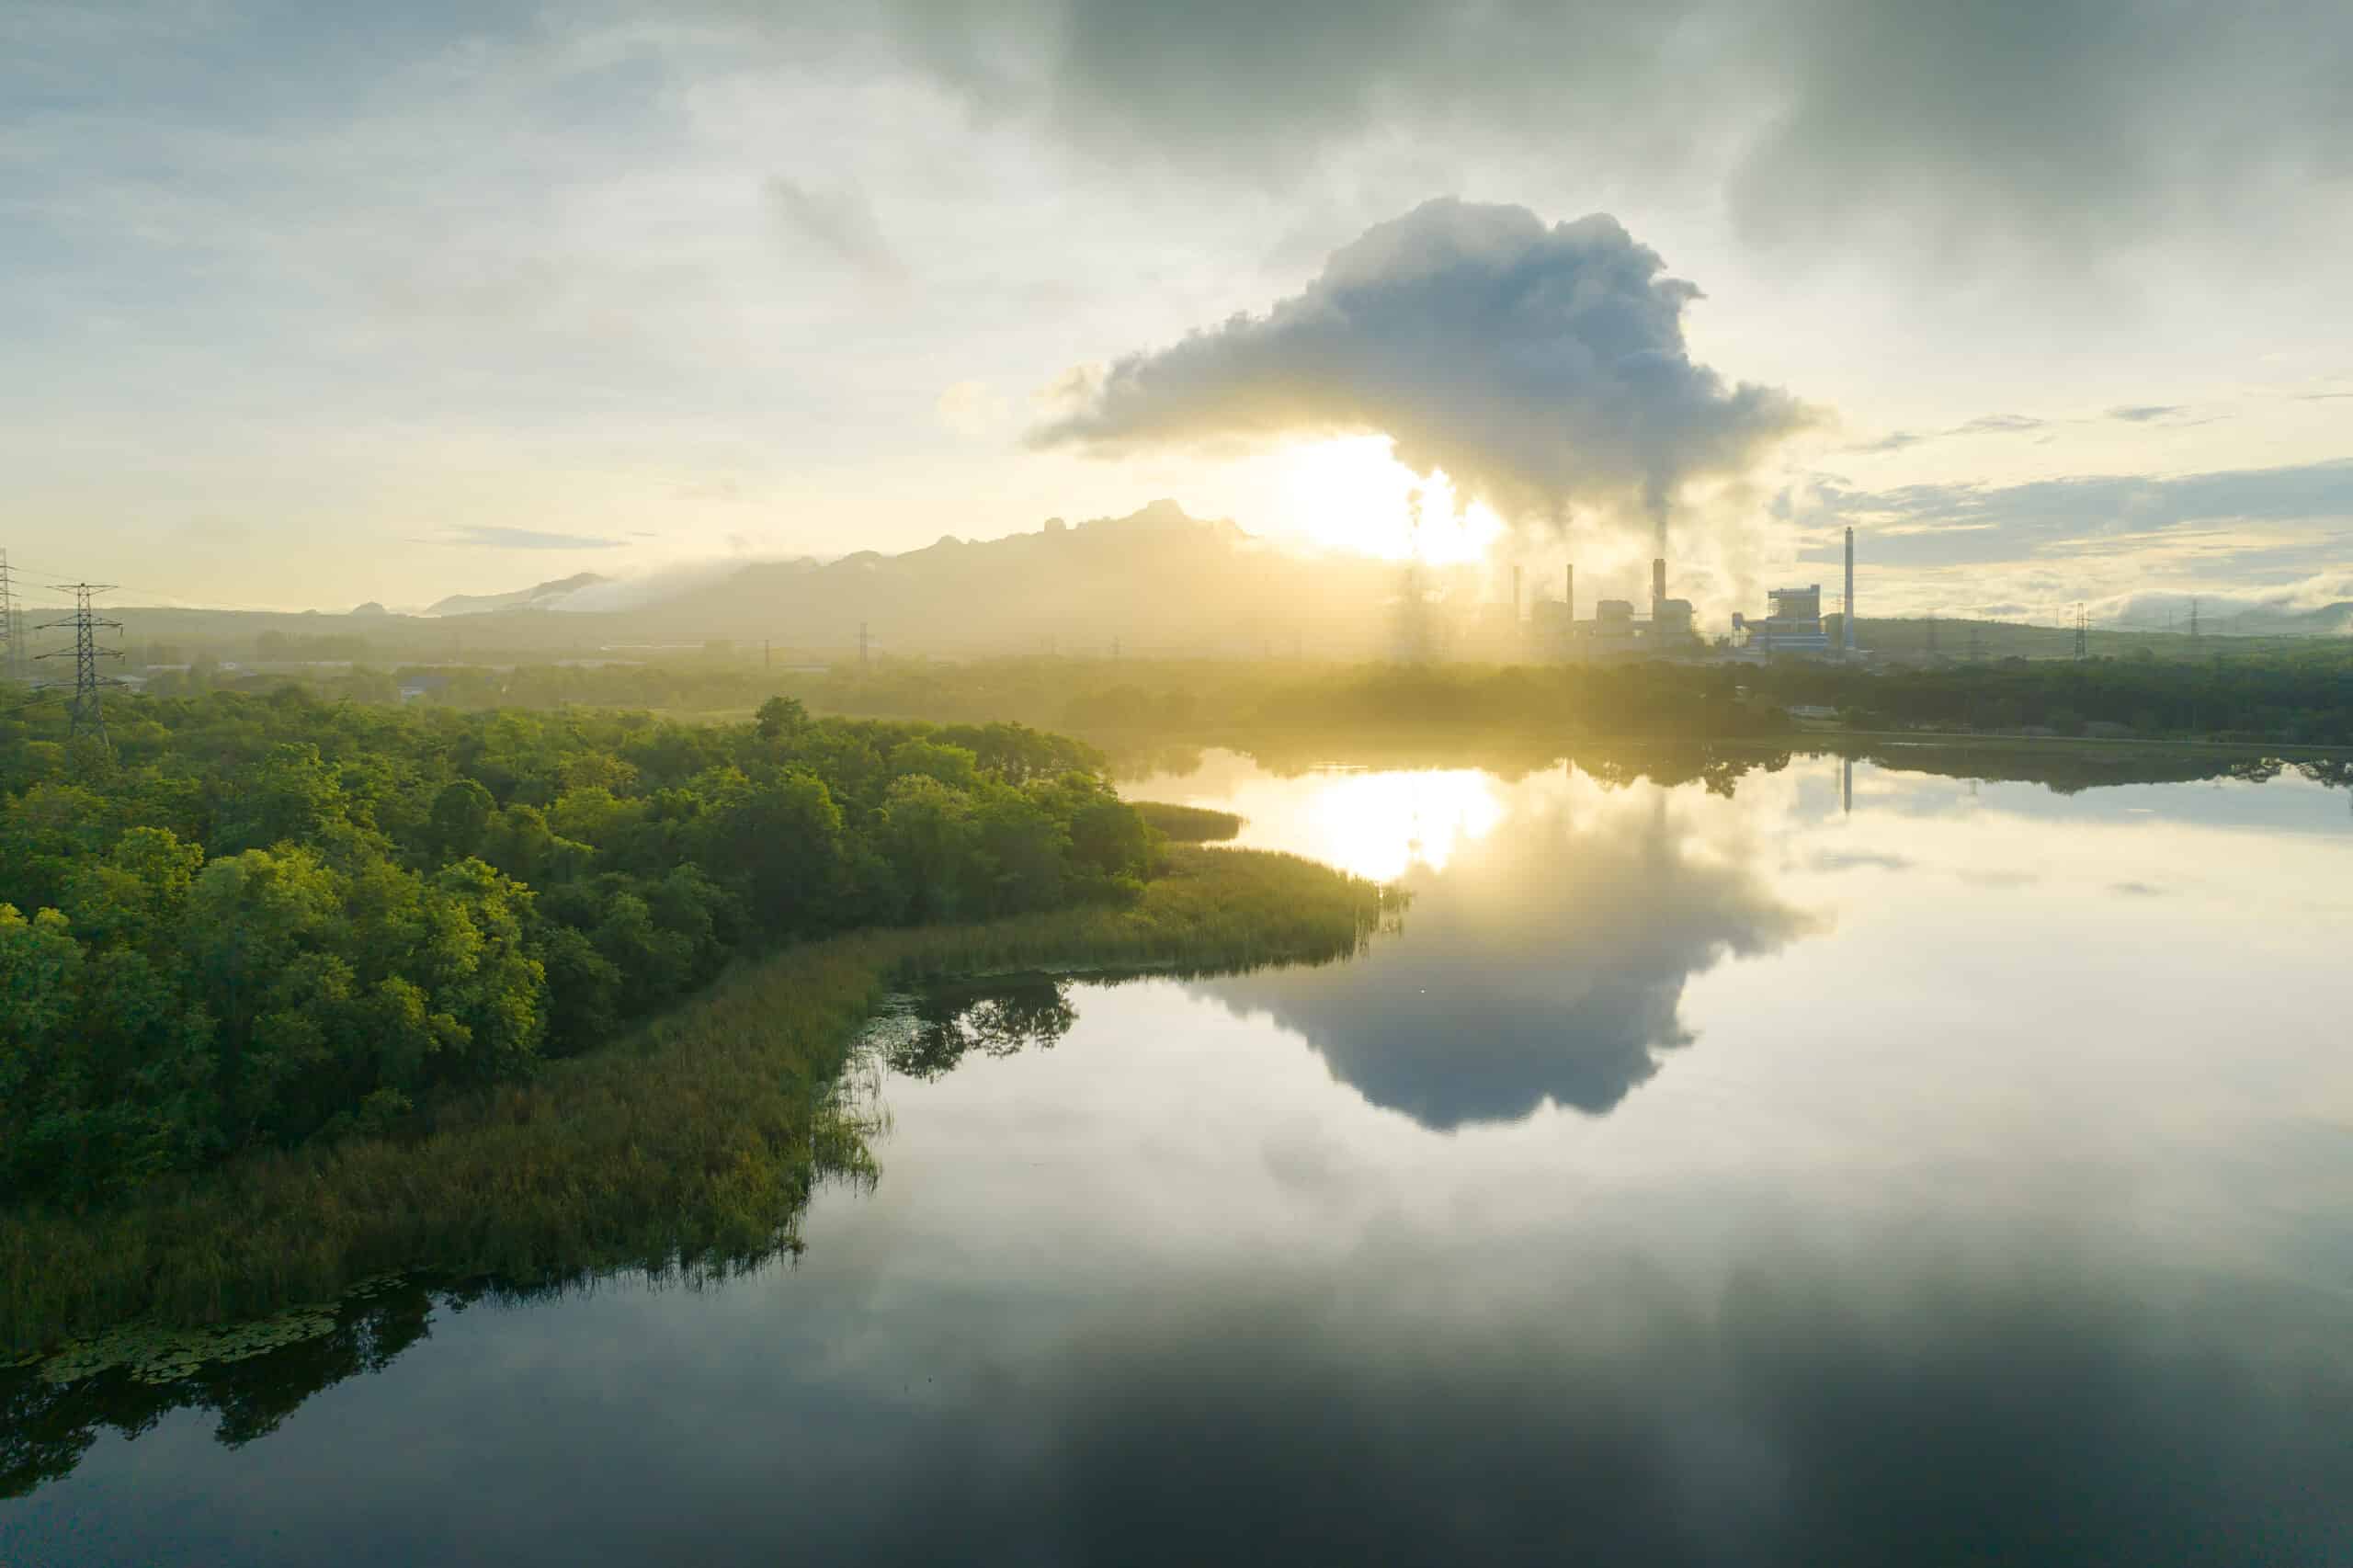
(13, 651)
(84, 714)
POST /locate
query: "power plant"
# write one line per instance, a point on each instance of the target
(1792, 627)
(1616, 630)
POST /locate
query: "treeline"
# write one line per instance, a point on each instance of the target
(677, 685)
(1208, 700)
(2301, 696)
(254, 921)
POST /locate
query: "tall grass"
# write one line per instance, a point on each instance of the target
(1187, 824)
(693, 1143)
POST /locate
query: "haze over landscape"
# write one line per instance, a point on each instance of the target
(312, 308)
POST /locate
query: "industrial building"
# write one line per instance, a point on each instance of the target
(1793, 625)
(1549, 628)
(1615, 630)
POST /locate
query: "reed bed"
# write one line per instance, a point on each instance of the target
(694, 1142)
(1188, 825)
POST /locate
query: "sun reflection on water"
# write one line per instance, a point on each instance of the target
(1376, 824)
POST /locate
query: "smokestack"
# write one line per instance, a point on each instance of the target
(1569, 591)
(1658, 582)
(1847, 619)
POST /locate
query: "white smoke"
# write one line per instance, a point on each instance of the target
(1543, 370)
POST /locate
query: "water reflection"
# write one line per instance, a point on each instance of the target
(1545, 961)
(1601, 1415)
(1992, 1220)
(929, 1033)
(47, 1426)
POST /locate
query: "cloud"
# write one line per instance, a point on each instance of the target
(970, 408)
(1542, 369)
(477, 536)
(1967, 521)
(1983, 424)
(2135, 546)
(2028, 425)
(841, 223)
(2071, 130)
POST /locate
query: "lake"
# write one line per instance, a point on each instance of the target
(1815, 1162)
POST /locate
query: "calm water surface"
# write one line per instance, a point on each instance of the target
(1837, 1164)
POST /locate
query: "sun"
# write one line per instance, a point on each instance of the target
(1351, 494)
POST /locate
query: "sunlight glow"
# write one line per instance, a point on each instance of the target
(1376, 825)
(1350, 493)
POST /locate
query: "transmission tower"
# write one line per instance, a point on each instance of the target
(13, 651)
(2083, 633)
(1976, 645)
(84, 713)
(2193, 620)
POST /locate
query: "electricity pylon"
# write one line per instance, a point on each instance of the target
(83, 714)
(13, 651)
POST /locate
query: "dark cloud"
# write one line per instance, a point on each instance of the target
(1540, 367)
(486, 537)
(1955, 524)
(838, 222)
(2142, 413)
(1546, 962)
(2068, 129)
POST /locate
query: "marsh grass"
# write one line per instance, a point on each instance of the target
(691, 1145)
(1187, 824)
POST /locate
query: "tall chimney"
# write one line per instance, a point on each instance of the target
(1658, 582)
(1847, 619)
(1569, 591)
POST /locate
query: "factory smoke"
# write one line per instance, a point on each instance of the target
(1543, 370)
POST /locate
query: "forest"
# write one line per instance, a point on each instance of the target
(252, 921)
(2301, 697)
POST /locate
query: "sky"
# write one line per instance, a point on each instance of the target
(306, 305)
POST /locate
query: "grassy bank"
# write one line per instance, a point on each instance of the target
(693, 1143)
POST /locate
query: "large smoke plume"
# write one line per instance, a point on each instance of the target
(1544, 369)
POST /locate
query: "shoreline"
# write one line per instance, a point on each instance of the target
(694, 1141)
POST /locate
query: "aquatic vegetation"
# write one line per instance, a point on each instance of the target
(691, 1144)
(1187, 824)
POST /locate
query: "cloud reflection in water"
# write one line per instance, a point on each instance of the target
(1544, 960)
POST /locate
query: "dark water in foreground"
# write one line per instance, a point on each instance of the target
(1697, 1177)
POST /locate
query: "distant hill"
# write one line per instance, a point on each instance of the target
(1157, 580)
(2329, 620)
(538, 595)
